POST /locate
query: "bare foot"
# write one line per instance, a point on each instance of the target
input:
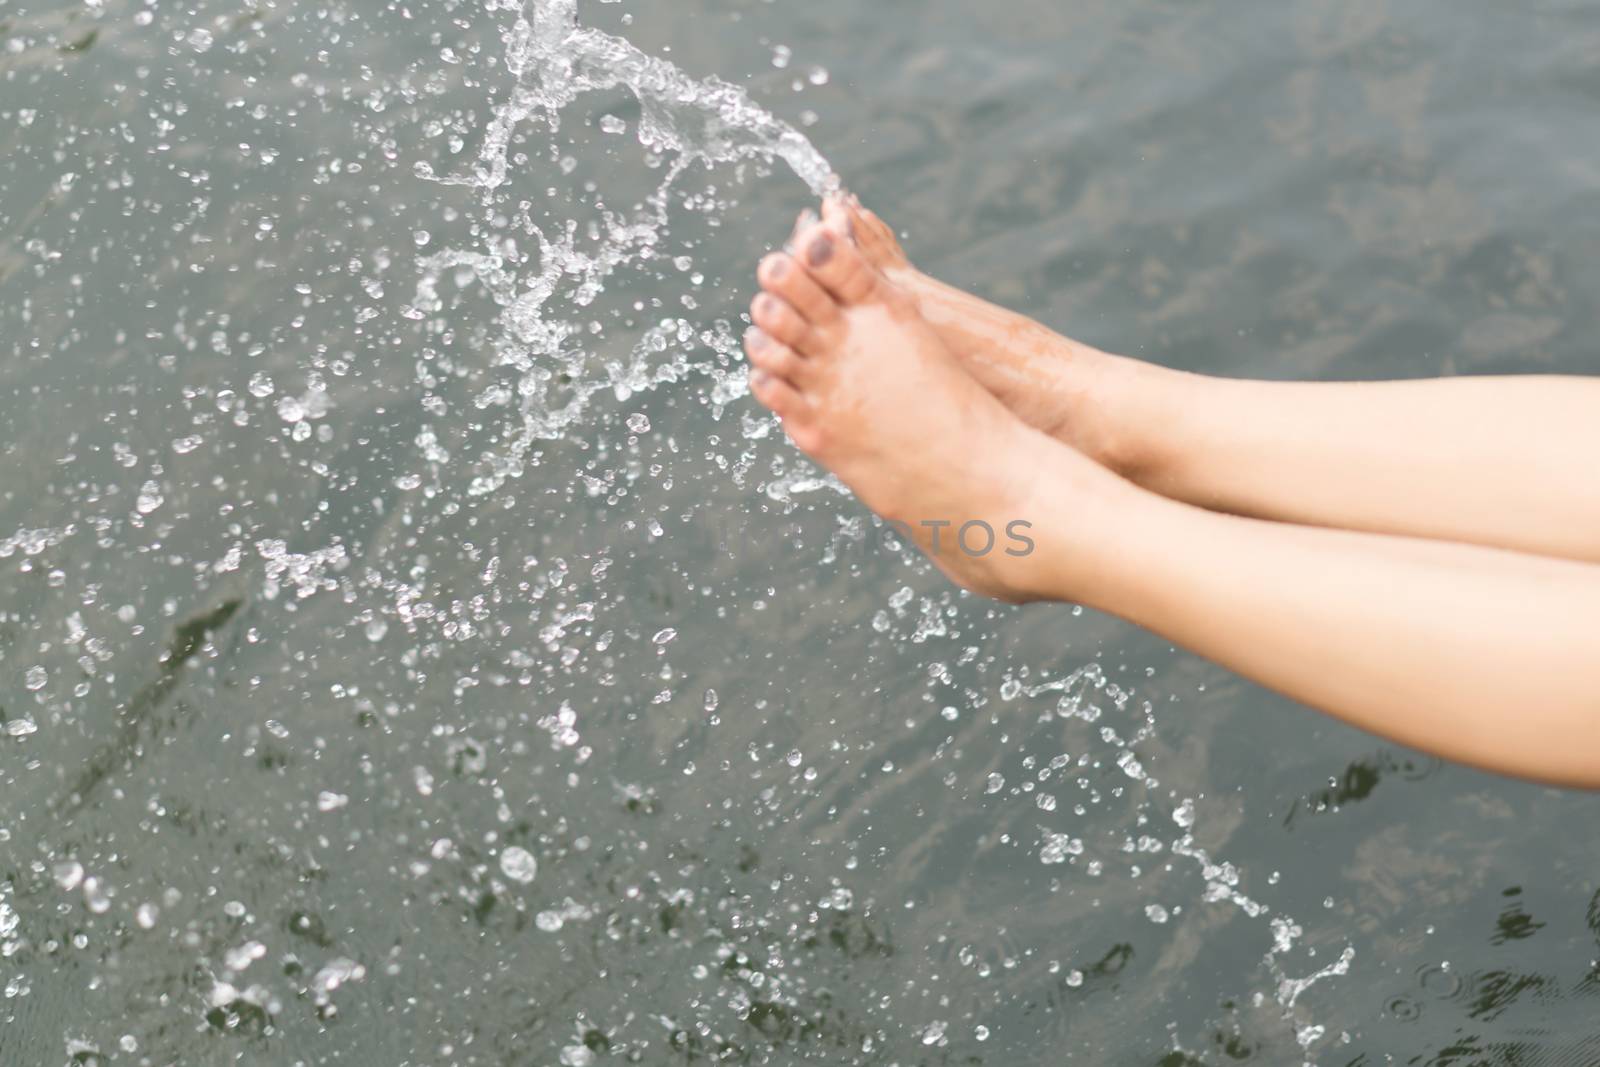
(866, 387)
(1051, 382)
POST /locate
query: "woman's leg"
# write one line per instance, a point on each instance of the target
(1480, 655)
(1507, 462)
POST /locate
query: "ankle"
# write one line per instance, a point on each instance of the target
(1077, 519)
(1124, 414)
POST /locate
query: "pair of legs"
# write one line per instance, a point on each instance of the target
(1420, 559)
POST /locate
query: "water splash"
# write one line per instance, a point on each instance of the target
(685, 121)
(430, 601)
(555, 59)
(1086, 697)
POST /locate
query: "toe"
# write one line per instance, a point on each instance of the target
(778, 360)
(876, 239)
(781, 276)
(806, 435)
(807, 219)
(836, 213)
(835, 262)
(778, 318)
(776, 395)
(789, 404)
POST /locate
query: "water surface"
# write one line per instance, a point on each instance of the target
(320, 634)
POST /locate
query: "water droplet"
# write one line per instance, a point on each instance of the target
(995, 783)
(96, 895)
(612, 124)
(1057, 847)
(149, 498)
(1155, 913)
(238, 959)
(638, 422)
(336, 972)
(35, 678)
(663, 636)
(1184, 815)
(519, 864)
(69, 874)
(329, 801)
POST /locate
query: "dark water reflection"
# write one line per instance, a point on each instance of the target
(280, 693)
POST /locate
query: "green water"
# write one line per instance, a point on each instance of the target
(283, 686)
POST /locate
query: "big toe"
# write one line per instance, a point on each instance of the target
(838, 265)
(870, 233)
(876, 238)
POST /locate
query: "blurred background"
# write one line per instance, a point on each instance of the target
(395, 670)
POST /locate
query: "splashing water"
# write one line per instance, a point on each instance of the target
(555, 60)
(584, 719)
(707, 122)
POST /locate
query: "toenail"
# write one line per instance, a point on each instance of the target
(777, 267)
(765, 305)
(759, 377)
(757, 337)
(820, 251)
